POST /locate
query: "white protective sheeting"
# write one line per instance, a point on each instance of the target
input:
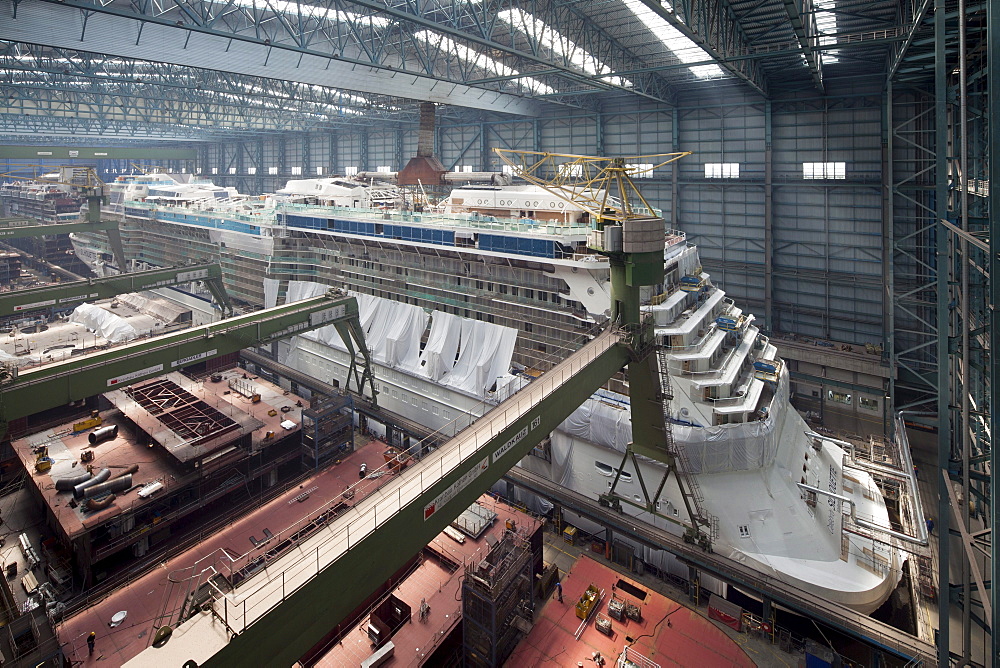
(688, 261)
(402, 338)
(485, 354)
(735, 447)
(104, 324)
(438, 356)
(271, 286)
(719, 449)
(392, 329)
(606, 422)
(161, 309)
(299, 290)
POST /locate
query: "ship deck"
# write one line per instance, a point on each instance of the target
(147, 596)
(669, 633)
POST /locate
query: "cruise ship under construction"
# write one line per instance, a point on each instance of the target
(554, 328)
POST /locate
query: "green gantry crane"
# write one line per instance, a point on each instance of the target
(383, 530)
(24, 393)
(631, 233)
(86, 182)
(62, 294)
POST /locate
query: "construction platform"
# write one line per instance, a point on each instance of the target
(254, 540)
(667, 633)
(435, 580)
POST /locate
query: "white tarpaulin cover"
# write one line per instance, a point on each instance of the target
(401, 345)
(271, 286)
(299, 290)
(393, 331)
(107, 325)
(719, 449)
(484, 355)
(162, 309)
(438, 356)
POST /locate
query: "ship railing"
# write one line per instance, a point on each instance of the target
(485, 222)
(288, 573)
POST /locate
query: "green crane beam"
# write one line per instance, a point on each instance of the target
(489, 448)
(35, 390)
(19, 228)
(61, 294)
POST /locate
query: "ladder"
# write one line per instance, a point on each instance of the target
(687, 483)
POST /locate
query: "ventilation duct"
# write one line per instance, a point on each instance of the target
(66, 484)
(103, 434)
(116, 485)
(96, 480)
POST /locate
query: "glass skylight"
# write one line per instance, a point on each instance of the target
(676, 42)
(826, 26)
(560, 45)
(313, 11)
(482, 61)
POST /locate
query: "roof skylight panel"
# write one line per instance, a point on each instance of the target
(482, 61)
(560, 45)
(298, 8)
(679, 44)
(826, 26)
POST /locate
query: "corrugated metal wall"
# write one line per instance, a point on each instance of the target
(826, 241)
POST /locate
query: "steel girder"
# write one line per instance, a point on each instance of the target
(28, 130)
(252, 38)
(366, 44)
(713, 27)
(38, 389)
(804, 24)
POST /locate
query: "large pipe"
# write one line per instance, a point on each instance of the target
(66, 484)
(96, 480)
(920, 539)
(103, 434)
(129, 471)
(116, 485)
(94, 504)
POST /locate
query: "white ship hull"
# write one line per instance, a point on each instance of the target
(747, 447)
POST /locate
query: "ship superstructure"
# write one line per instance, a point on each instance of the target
(752, 459)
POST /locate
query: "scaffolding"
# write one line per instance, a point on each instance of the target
(497, 601)
(327, 430)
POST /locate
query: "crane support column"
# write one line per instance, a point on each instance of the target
(62, 294)
(362, 547)
(28, 392)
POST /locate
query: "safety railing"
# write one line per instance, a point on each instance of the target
(253, 598)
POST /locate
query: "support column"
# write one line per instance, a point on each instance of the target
(484, 148)
(334, 166)
(363, 157)
(942, 263)
(694, 585)
(675, 171)
(282, 170)
(993, 72)
(397, 150)
(599, 123)
(306, 153)
(768, 223)
(888, 256)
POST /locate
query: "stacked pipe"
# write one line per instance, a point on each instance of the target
(116, 485)
(85, 485)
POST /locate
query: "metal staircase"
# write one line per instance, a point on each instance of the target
(687, 483)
